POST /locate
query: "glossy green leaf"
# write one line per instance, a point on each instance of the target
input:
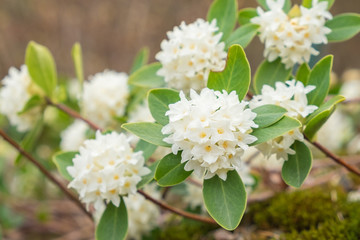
(33, 102)
(343, 27)
(303, 73)
(76, 54)
(243, 35)
(268, 115)
(224, 11)
(236, 75)
(269, 73)
(149, 177)
(113, 224)
(147, 131)
(170, 170)
(298, 166)
(275, 130)
(320, 78)
(225, 200)
(286, 7)
(147, 148)
(147, 77)
(41, 67)
(308, 3)
(315, 120)
(245, 15)
(63, 160)
(159, 100)
(141, 59)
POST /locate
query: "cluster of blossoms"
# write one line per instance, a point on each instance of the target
(73, 136)
(290, 95)
(212, 130)
(105, 97)
(190, 53)
(291, 38)
(105, 168)
(16, 91)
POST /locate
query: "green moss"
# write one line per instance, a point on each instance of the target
(309, 214)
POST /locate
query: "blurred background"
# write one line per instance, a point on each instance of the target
(112, 31)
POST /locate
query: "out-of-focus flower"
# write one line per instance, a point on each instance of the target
(73, 136)
(105, 97)
(16, 91)
(190, 53)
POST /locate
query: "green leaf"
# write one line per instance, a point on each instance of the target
(146, 77)
(33, 102)
(245, 15)
(147, 131)
(41, 66)
(147, 148)
(141, 59)
(275, 130)
(170, 170)
(308, 3)
(286, 7)
(268, 115)
(303, 73)
(113, 224)
(31, 138)
(320, 78)
(298, 166)
(236, 75)
(159, 100)
(76, 54)
(315, 120)
(343, 27)
(63, 160)
(225, 200)
(243, 35)
(148, 178)
(224, 11)
(269, 73)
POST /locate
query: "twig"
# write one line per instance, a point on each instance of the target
(72, 113)
(349, 101)
(177, 211)
(163, 205)
(45, 172)
(332, 156)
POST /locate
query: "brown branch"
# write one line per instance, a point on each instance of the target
(349, 101)
(63, 188)
(332, 156)
(72, 113)
(178, 211)
(163, 205)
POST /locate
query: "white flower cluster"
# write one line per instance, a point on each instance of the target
(105, 97)
(212, 130)
(105, 168)
(142, 214)
(291, 39)
(190, 53)
(291, 96)
(16, 91)
(73, 136)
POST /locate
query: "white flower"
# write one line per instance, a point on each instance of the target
(16, 91)
(190, 53)
(105, 97)
(291, 39)
(105, 168)
(354, 196)
(73, 136)
(212, 130)
(290, 95)
(142, 214)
